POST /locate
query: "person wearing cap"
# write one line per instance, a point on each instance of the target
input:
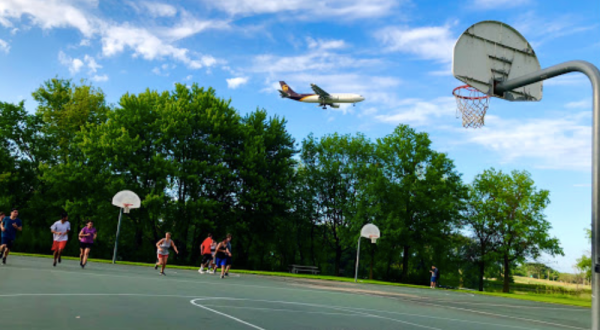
(60, 229)
(9, 227)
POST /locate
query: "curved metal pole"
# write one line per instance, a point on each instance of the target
(593, 74)
(357, 258)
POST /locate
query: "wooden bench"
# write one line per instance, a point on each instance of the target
(295, 269)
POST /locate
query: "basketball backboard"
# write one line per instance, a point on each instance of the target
(490, 52)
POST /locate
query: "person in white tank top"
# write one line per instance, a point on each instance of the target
(162, 252)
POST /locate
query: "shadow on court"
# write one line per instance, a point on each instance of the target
(35, 295)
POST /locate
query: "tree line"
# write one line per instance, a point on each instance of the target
(200, 167)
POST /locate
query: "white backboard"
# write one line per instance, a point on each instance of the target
(126, 197)
(492, 50)
(370, 231)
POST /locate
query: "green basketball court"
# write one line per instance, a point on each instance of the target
(35, 295)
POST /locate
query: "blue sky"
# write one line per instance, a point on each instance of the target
(396, 53)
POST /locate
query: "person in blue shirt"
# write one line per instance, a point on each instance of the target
(435, 274)
(9, 227)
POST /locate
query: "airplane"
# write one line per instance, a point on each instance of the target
(320, 96)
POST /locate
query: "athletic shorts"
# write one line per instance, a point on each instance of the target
(162, 256)
(221, 262)
(227, 261)
(8, 242)
(56, 245)
(85, 245)
(434, 279)
(206, 258)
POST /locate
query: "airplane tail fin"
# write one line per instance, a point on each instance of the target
(286, 90)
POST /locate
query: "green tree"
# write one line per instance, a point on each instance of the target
(420, 196)
(335, 167)
(518, 213)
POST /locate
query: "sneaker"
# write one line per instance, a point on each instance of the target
(222, 276)
(4, 261)
(200, 271)
(163, 274)
(54, 264)
(82, 266)
(226, 274)
(155, 267)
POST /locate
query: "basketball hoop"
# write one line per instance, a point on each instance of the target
(472, 104)
(126, 207)
(373, 238)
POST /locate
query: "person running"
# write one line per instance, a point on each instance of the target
(60, 229)
(206, 254)
(9, 227)
(163, 247)
(228, 258)
(434, 276)
(213, 252)
(87, 235)
(222, 254)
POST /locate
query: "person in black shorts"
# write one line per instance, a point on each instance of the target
(9, 227)
(87, 235)
(207, 256)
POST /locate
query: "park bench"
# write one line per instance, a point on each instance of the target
(295, 269)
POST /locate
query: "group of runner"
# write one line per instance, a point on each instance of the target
(216, 255)
(9, 225)
(213, 254)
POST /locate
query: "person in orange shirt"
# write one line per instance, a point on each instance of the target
(206, 254)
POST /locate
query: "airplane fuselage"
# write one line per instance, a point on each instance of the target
(333, 98)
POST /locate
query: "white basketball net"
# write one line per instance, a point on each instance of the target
(472, 104)
(373, 238)
(126, 208)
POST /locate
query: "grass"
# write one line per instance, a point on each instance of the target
(545, 298)
(571, 286)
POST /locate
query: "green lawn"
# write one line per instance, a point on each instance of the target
(546, 298)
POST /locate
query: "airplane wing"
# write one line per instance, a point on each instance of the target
(322, 94)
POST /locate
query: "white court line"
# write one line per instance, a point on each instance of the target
(226, 315)
(506, 316)
(284, 310)
(321, 306)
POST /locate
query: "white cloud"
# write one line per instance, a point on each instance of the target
(314, 61)
(48, 14)
(562, 143)
(73, 64)
(4, 46)
(419, 112)
(583, 104)
(85, 42)
(234, 83)
(101, 78)
(147, 43)
(325, 44)
(539, 30)
(188, 78)
(156, 9)
(91, 64)
(431, 42)
(345, 9)
(498, 4)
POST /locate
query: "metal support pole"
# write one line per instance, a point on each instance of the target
(593, 74)
(117, 238)
(357, 258)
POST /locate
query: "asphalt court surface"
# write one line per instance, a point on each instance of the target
(35, 295)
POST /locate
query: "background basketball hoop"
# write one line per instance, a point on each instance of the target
(125, 200)
(371, 232)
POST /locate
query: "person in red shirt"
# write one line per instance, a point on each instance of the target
(206, 254)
